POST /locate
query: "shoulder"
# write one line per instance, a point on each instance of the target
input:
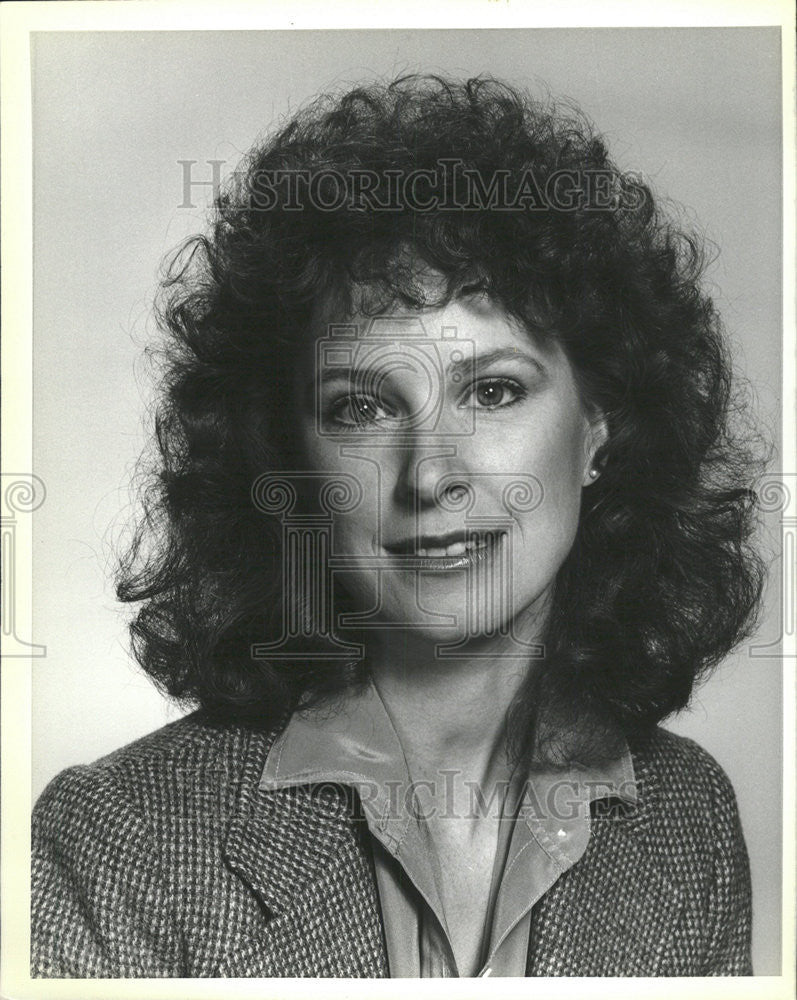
(686, 800)
(118, 844)
(689, 818)
(135, 807)
(677, 770)
(154, 774)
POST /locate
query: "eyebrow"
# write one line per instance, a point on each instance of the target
(482, 361)
(476, 364)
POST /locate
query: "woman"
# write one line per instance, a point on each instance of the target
(448, 518)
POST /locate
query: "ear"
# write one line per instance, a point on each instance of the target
(597, 434)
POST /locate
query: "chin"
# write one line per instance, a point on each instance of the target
(440, 608)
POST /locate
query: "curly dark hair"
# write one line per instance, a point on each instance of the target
(662, 581)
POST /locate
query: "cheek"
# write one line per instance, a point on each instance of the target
(315, 452)
(356, 533)
(555, 457)
(551, 446)
(561, 465)
(356, 524)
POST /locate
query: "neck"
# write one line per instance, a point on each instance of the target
(448, 713)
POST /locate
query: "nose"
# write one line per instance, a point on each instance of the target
(430, 472)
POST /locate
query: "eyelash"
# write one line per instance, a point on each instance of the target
(339, 406)
(519, 393)
(504, 383)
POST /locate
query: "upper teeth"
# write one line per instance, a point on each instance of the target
(455, 549)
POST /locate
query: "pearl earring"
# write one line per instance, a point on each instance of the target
(593, 473)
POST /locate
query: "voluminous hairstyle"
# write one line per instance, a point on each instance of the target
(661, 582)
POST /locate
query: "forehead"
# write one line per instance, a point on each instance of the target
(474, 322)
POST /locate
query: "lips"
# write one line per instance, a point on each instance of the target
(452, 544)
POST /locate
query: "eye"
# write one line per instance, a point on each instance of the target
(357, 411)
(495, 393)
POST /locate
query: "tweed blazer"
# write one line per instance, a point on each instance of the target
(166, 859)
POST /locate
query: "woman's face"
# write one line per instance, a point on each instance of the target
(470, 444)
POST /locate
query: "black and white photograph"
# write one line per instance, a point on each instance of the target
(408, 506)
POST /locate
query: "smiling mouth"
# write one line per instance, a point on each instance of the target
(456, 550)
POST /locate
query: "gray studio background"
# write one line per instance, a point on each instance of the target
(695, 110)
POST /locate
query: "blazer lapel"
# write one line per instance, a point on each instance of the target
(302, 852)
